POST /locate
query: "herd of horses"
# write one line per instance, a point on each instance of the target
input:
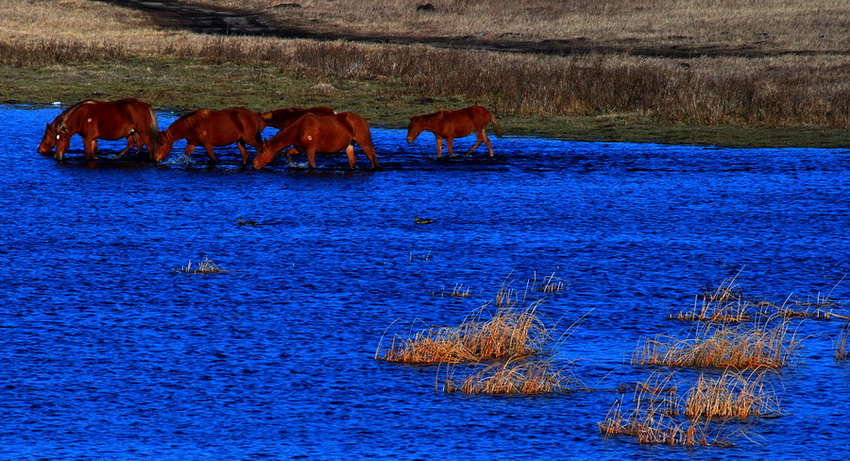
(301, 130)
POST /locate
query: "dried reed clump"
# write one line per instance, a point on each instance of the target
(509, 332)
(551, 284)
(661, 429)
(732, 395)
(655, 414)
(768, 344)
(818, 309)
(205, 266)
(722, 304)
(514, 377)
(842, 352)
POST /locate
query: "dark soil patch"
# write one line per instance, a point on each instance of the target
(221, 21)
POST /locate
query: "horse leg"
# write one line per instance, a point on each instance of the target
(480, 136)
(450, 146)
(91, 147)
(439, 146)
(189, 149)
(487, 142)
(210, 152)
(349, 151)
(241, 144)
(311, 158)
(292, 151)
(132, 141)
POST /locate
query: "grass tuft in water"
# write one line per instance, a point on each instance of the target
(508, 332)
(514, 377)
(764, 344)
(841, 344)
(725, 303)
(732, 395)
(653, 415)
(205, 266)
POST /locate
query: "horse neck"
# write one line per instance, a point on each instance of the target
(181, 128)
(284, 138)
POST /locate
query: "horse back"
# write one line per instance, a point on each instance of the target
(281, 118)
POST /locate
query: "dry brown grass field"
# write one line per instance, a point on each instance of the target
(662, 70)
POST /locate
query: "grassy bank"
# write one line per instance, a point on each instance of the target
(776, 98)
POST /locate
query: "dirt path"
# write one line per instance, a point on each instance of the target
(219, 21)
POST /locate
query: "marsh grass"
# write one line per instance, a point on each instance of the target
(656, 414)
(204, 266)
(766, 343)
(551, 284)
(842, 352)
(725, 303)
(458, 291)
(732, 395)
(513, 377)
(509, 332)
(656, 428)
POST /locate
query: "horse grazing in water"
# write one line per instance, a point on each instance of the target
(450, 124)
(326, 134)
(48, 141)
(127, 118)
(210, 128)
(281, 118)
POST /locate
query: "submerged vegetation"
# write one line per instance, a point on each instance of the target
(204, 266)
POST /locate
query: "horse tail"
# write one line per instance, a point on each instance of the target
(367, 139)
(496, 126)
(153, 130)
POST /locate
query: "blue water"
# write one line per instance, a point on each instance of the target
(108, 353)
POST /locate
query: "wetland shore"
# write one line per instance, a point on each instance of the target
(578, 81)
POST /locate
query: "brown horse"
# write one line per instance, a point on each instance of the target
(111, 120)
(281, 118)
(450, 124)
(323, 134)
(209, 128)
(48, 141)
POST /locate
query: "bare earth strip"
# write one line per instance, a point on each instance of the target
(208, 19)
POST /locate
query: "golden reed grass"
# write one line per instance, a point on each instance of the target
(513, 377)
(764, 344)
(725, 303)
(510, 332)
(655, 414)
(731, 395)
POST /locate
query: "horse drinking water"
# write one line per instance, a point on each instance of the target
(211, 128)
(327, 134)
(127, 118)
(450, 124)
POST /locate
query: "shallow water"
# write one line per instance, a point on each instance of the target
(111, 354)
